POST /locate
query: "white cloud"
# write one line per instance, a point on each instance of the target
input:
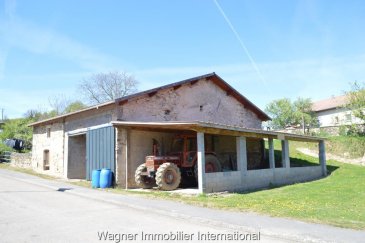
(16, 102)
(32, 38)
(23, 34)
(10, 7)
(316, 79)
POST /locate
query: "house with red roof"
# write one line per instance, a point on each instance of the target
(332, 112)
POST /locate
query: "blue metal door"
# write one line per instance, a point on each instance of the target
(100, 150)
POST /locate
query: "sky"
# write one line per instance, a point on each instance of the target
(265, 49)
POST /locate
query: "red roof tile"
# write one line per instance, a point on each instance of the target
(331, 103)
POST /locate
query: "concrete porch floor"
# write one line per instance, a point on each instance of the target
(187, 191)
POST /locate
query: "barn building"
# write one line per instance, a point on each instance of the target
(214, 119)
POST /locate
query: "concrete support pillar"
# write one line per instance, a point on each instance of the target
(322, 157)
(285, 153)
(271, 153)
(201, 162)
(121, 158)
(65, 156)
(241, 154)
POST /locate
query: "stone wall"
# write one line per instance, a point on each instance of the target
(23, 160)
(54, 144)
(101, 116)
(203, 101)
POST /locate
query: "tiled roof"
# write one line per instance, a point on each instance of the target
(221, 129)
(329, 104)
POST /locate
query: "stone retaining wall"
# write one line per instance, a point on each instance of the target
(23, 160)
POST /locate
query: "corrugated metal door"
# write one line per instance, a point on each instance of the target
(100, 152)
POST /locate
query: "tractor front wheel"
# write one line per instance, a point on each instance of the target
(143, 181)
(168, 177)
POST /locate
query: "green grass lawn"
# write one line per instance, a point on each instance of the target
(338, 199)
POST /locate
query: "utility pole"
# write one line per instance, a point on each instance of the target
(2, 114)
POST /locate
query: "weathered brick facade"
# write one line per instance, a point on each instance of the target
(201, 101)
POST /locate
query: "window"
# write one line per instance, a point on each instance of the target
(348, 118)
(178, 145)
(192, 146)
(46, 159)
(337, 120)
(48, 132)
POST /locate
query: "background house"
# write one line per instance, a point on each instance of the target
(333, 114)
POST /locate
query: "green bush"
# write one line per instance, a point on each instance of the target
(17, 128)
(354, 146)
(4, 148)
(322, 133)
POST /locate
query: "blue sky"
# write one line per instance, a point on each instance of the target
(310, 49)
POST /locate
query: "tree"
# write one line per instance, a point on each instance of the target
(58, 103)
(356, 100)
(59, 108)
(17, 128)
(61, 105)
(36, 115)
(303, 112)
(103, 87)
(285, 113)
(282, 113)
(74, 106)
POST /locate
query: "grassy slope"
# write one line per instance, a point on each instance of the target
(354, 147)
(338, 199)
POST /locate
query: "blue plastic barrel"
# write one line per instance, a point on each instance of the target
(105, 178)
(95, 179)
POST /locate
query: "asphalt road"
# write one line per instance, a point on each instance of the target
(33, 213)
(37, 210)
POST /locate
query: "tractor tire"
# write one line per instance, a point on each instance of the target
(168, 177)
(143, 181)
(212, 164)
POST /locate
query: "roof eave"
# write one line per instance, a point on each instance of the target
(56, 118)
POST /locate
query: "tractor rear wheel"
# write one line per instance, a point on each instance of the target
(168, 176)
(212, 164)
(143, 181)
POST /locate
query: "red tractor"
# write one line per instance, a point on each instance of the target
(166, 171)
